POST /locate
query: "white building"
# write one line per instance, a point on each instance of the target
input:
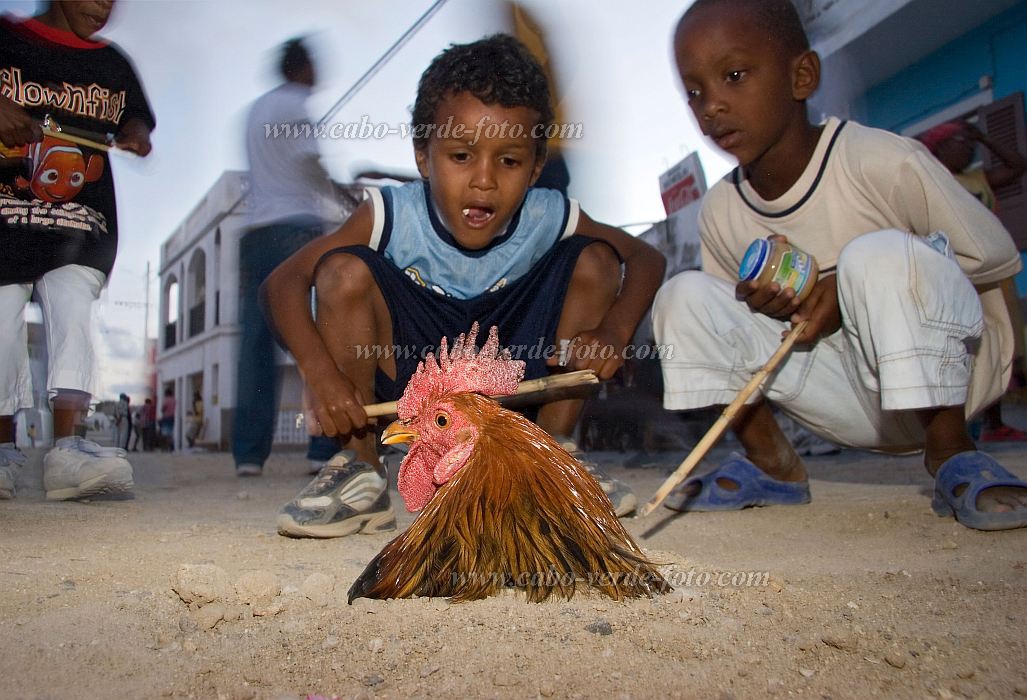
(198, 342)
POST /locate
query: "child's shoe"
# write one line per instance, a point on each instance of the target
(11, 460)
(78, 468)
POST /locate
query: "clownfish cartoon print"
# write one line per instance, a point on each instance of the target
(58, 170)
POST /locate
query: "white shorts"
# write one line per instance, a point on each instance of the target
(908, 321)
(66, 296)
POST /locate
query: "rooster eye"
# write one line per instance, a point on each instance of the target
(442, 420)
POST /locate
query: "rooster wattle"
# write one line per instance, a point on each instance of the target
(503, 504)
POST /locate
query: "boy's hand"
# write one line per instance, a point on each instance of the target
(770, 300)
(17, 127)
(596, 349)
(134, 136)
(336, 407)
(821, 310)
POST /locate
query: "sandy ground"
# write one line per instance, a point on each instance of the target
(867, 593)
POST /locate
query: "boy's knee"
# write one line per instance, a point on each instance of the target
(343, 276)
(683, 290)
(872, 253)
(598, 268)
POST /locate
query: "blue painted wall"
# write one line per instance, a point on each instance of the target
(997, 48)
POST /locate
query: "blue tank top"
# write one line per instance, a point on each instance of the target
(409, 233)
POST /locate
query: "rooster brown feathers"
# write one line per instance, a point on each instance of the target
(503, 504)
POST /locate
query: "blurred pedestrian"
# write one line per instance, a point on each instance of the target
(167, 420)
(294, 201)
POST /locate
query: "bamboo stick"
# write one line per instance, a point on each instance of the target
(530, 386)
(81, 141)
(718, 428)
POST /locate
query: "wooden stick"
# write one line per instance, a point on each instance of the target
(81, 141)
(713, 434)
(529, 386)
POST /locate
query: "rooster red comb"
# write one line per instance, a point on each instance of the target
(489, 371)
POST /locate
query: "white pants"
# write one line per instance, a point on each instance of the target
(909, 321)
(66, 296)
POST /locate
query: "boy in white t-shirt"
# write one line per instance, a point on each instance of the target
(907, 331)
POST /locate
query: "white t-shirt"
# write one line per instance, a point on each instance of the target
(861, 180)
(287, 180)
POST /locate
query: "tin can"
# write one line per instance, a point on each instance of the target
(768, 261)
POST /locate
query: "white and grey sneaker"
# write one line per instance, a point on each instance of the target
(79, 468)
(620, 494)
(11, 461)
(347, 496)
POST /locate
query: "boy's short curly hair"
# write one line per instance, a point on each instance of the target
(497, 70)
(779, 18)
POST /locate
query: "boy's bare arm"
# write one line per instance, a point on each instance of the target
(643, 275)
(17, 127)
(134, 135)
(285, 295)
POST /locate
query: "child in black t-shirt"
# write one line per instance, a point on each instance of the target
(58, 224)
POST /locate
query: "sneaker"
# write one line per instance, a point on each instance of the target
(11, 461)
(620, 494)
(247, 469)
(79, 468)
(347, 496)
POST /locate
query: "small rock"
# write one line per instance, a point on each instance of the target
(774, 686)
(806, 672)
(319, 588)
(546, 690)
(600, 626)
(895, 659)
(844, 642)
(234, 612)
(187, 624)
(967, 672)
(373, 680)
(257, 587)
(330, 642)
(267, 608)
(764, 610)
(429, 669)
(209, 615)
(190, 645)
(1020, 689)
(949, 544)
(375, 645)
(201, 583)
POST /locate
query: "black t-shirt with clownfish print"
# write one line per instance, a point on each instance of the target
(57, 204)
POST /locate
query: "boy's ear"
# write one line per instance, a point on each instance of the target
(421, 158)
(805, 75)
(540, 162)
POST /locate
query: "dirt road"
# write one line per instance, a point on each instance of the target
(864, 592)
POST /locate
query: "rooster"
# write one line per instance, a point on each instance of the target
(502, 504)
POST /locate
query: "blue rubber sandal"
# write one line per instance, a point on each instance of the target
(755, 488)
(976, 471)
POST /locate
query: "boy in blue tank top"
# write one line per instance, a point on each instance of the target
(472, 241)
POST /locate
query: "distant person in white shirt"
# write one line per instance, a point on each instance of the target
(293, 201)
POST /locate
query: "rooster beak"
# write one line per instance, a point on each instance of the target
(398, 432)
